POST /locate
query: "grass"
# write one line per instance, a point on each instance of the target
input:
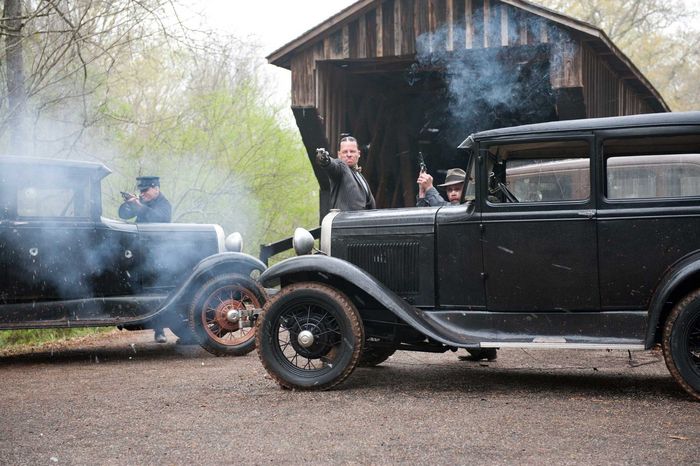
(11, 338)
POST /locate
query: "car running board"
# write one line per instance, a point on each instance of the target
(553, 343)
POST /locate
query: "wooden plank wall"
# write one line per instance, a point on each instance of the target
(393, 28)
(605, 92)
(332, 99)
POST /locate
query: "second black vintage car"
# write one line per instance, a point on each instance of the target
(62, 264)
(571, 235)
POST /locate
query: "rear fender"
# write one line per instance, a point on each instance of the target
(310, 267)
(682, 278)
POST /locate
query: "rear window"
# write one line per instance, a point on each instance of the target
(53, 197)
(652, 167)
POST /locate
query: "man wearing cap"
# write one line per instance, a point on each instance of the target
(349, 189)
(150, 206)
(428, 196)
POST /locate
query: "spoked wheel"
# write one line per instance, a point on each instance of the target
(681, 343)
(373, 356)
(215, 314)
(309, 337)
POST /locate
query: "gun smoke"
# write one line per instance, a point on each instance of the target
(486, 88)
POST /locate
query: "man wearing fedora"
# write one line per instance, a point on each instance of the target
(150, 206)
(428, 196)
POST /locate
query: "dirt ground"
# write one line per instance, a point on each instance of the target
(120, 398)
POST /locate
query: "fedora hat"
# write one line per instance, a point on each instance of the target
(454, 176)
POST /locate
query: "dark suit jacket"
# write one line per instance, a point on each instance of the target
(349, 189)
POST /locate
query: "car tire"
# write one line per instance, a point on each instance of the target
(681, 343)
(209, 309)
(309, 336)
(373, 356)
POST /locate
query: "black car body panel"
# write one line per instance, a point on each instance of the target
(64, 265)
(594, 267)
(570, 235)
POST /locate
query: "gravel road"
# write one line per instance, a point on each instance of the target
(119, 398)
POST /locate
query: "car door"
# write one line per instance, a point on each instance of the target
(51, 234)
(538, 224)
(649, 215)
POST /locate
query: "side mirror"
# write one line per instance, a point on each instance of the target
(303, 242)
(234, 242)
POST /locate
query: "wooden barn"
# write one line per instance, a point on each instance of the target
(410, 76)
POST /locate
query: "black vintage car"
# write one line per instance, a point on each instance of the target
(64, 265)
(571, 235)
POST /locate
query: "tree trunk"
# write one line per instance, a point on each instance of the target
(16, 91)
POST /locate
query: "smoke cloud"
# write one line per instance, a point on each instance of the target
(489, 87)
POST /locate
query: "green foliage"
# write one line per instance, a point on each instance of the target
(220, 146)
(200, 117)
(9, 338)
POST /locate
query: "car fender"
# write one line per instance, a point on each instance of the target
(325, 266)
(674, 278)
(225, 262)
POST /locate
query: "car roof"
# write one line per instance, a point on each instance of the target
(17, 162)
(589, 124)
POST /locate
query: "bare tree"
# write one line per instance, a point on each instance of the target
(64, 51)
(660, 36)
(14, 61)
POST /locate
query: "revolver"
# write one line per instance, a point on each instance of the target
(126, 195)
(421, 162)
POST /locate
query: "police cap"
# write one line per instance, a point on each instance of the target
(143, 182)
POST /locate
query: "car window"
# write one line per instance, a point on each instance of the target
(55, 198)
(539, 172)
(652, 167)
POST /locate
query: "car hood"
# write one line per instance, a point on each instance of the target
(405, 218)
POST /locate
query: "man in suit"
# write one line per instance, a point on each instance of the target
(349, 189)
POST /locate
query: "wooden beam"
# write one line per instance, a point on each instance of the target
(380, 31)
(346, 41)
(523, 28)
(504, 26)
(408, 43)
(362, 37)
(398, 29)
(468, 25)
(487, 23)
(449, 21)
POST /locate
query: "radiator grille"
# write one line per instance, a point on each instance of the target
(393, 263)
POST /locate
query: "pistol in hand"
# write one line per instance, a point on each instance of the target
(323, 158)
(126, 195)
(421, 162)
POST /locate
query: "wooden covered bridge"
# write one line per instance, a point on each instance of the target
(404, 76)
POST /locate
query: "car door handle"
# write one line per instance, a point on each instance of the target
(586, 213)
